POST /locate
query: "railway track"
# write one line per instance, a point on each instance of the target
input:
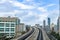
(26, 35)
(34, 35)
(40, 35)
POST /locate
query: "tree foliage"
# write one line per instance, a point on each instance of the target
(56, 35)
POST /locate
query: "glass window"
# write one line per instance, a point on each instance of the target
(1, 29)
(7, 34)
(12, 34)
(12, 29)
(2, 34)
(7, 25)
(12, 25)
(1, 24)
(7, 29)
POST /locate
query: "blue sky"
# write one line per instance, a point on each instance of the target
(30, 11)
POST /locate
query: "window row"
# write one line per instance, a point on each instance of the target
(11, 34)
(7, 29)
(7, 25)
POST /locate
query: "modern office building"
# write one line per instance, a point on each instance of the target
(44, 24)
(8, 26)
(49, 24)
(58, 25)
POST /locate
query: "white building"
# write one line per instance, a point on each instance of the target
(8, 26)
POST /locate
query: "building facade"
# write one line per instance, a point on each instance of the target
(44, 24)
(52, 27)
(49, 24)
(28, 27)
(55, 29)
(58, 25)
(37, 25)
(22, 27)
(8, 26)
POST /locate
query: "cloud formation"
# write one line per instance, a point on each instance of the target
(29, 11)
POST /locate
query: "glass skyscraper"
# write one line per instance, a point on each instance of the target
(48, 24)
(58, 25)
(44, 24)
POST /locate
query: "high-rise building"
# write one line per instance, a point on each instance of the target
(52, 27)
(58, 25)
(8, 26)
(44, 24)
(55, 29)
(49, 24)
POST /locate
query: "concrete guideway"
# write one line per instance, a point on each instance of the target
(34, 35)
(24, 36)
(45, 36)
(40, 35)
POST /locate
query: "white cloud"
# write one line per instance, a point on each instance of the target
(38, 17)
(2, 1)
(42, 9)
(28, 0)
(49, 5)
(5, 14)
(21, 6)
(16, 11)
(53, 14)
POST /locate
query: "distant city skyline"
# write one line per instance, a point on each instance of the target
(30, 11)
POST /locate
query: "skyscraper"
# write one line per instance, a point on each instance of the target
(48, 24)
(58, 25)
(44, 24)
